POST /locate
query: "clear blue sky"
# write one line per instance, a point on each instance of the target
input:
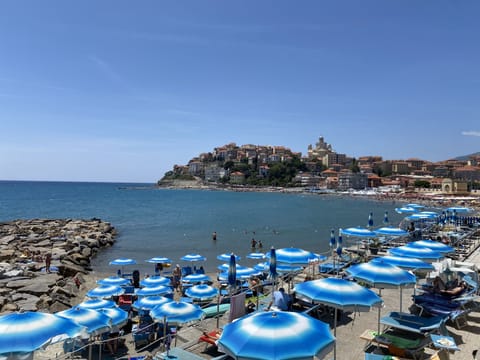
(121, 90)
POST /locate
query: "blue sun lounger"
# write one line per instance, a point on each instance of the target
(414, 323)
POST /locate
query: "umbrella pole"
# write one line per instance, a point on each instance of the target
(164, 332)
(379, 313)
(401, 298)
(90, 349)
(335, 334)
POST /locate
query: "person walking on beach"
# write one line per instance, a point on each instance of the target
(177, 277)
(48, 261)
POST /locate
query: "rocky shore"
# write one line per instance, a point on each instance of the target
(25, 283)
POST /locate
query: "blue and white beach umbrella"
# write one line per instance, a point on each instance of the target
(29, 331)
(280, 268)
(390, 231)
(370, 220)
(358, 232)
(196, 278)
(96, 304)
(406, 263)
(292, 256)
(95, 321)
(276, 336)
(201, 292)
(149, 302)
(113, 280)
(273, 264)
(256, 256)
(332, 239)
(118, 317)
(193, 257)
(226, 257)
(415, 206)
(433, 245)
(155, 280)
(105, 291)
(242, 273)
(459, 209)
(123, 262)
(406, 210)
(153, 290)
(339, 294)
(232, 271)
(382, 275)
(421, 253)
(421, 216)
(177, 312)
(159, 260)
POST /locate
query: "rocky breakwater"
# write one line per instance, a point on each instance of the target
(24, 282)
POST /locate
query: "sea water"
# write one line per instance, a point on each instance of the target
(154, 222)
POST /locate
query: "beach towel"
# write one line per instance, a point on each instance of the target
(237, 307)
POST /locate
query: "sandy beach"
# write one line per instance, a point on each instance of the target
(350, 327)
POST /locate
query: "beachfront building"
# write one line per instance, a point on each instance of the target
(214, 173)
(350, 180)
(306, 179)
(237, 177)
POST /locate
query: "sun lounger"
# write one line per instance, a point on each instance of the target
(414, 323)
(400, 343)
(210, 338)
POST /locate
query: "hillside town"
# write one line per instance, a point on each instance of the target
(322, 168)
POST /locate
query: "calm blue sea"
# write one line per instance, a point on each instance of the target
(160, 222)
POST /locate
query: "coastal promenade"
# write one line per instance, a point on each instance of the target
(348, 338)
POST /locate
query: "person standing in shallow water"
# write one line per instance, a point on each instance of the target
(214, 236)
(253, 243)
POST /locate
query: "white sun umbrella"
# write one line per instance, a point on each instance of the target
(242, 273)
(193, 257)
(153, 290)
(159, 260)
(406, 210)
(281, 268)
(123, 262)
(459, 209)
(95, 321)
(105, 291)
(406, 263)
(118, 317)
(155, 280)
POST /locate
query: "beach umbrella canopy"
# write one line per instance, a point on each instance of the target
(382, 275)
(433, 245)
(421, 253)
(276, 336)
(281, 268)
(113, 280)
(96, 304)
(159, 260)
(339, 294)
(415, 206)
(196, 278)
(406, 210)
(177, 312)
(390, 231)
(256, 256)
(155, 280)
(105, 291)
(149, 302)
(370, 220)
(193, 257)
(358, 232)
(95, 321)
(226, 257)
(242, 273)
(153, 290)
(201, 292)
(292, 256)
(459, 209)
(406, 263)
(123, 262)
(421, 216)
(118, 317)
(25, 332)
(232, 271)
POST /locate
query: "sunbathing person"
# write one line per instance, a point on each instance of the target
(458, 290)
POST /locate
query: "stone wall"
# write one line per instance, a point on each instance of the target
(24, 282)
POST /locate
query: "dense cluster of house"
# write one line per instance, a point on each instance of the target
(328, 169)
